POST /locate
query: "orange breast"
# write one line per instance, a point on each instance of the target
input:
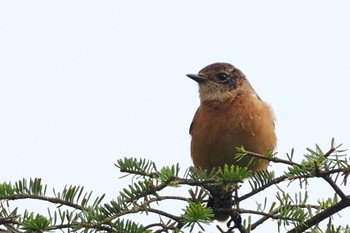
(219, 127)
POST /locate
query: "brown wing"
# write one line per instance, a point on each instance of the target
(192, 123)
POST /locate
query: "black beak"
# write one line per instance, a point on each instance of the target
(197, 78)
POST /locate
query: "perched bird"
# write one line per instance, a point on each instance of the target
(230, 115)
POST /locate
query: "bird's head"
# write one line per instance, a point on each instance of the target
(219, 81)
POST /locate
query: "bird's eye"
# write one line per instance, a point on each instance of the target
(222, 77)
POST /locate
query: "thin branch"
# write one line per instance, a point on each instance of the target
(328, 153)
(165, 214)
(335, 187)
(265, 218)
(255, 191)
(174, 198)
(135, 209)
(277, 181)
(322, 216)
(273, 159)
(319, 174)
(42, 198)
(245, 211)
(259, 222)
(130, 172)
(164, 227)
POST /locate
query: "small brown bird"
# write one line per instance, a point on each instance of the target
(230, 115)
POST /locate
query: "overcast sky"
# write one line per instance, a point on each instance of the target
(83, 83)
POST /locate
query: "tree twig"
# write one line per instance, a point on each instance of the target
(343, 203)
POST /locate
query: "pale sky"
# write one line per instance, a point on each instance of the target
(83, 83)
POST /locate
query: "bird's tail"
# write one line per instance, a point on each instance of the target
(220, 199)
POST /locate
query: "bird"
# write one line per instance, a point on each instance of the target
(231, 114)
